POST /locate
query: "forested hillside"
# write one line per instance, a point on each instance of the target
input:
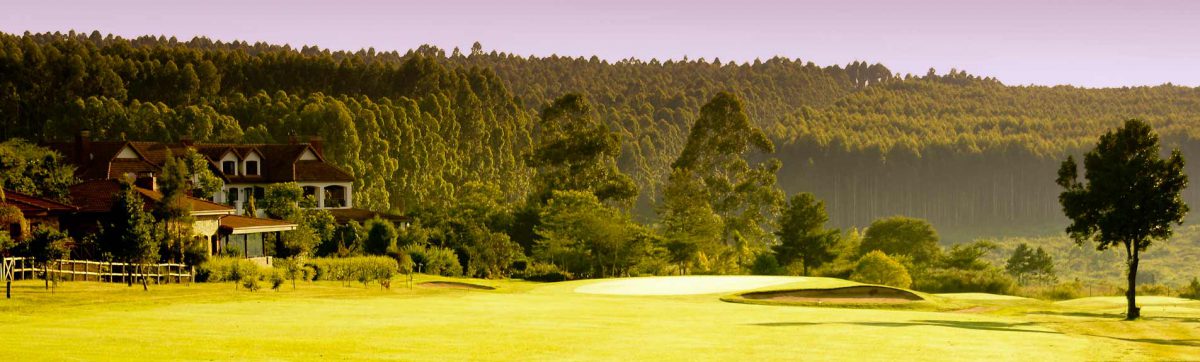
(970, 154)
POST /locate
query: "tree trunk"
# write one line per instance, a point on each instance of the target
(1133, 312)
(7, 288)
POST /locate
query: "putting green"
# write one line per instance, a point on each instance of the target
(684, 285)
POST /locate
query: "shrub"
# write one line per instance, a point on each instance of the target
(766, 264)
(945, 280)
(276, 279)
(250, 282)
(1192, 291)
(196, 252)
(232, 252)
(381, 235)
(1062, 291)
(877, 268)
(1154, 289)
(360, 268)
(434, 260)
(545, 272)
(225, 269)
(403, 259)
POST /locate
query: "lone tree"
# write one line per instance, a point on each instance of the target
(1029, 262)
(128, 231)
(899, 235)
(1131, 196)
(802, 233)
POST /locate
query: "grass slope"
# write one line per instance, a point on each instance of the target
(529, 321)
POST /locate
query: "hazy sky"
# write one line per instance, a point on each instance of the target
(1089, 43)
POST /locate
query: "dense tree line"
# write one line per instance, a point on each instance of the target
(968, 153)
(408, 128)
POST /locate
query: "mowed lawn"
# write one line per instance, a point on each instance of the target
(530, 321)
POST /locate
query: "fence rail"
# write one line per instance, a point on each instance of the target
(98, 271)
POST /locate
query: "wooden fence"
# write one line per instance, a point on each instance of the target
(96, 271)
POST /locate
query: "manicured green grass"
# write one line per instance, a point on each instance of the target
(530, 321)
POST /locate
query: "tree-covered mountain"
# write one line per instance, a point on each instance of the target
(972, 155)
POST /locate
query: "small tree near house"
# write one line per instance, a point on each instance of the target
(128, 232)
(48, 245)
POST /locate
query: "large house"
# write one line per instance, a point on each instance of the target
(213, 222)
(246, 169)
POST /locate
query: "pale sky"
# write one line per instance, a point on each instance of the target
(1087, 43)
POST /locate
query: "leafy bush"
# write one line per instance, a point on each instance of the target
(545, 272)
(226, 269)
(1192, 291)
(361, 268)
(1154, 289)
(434, 260)
(1060, 291)
(877, 268)
(196, 252)
(232, 252)
(403, 259)
(276, 279)
(766, 264)
(944, 280)
(250, 282)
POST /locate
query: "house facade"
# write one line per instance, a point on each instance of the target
(245, 169)
(215, 223)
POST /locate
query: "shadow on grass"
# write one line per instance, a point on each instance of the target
(1083, 314)
(1166, 342)
(1119, 316)
(976, 325)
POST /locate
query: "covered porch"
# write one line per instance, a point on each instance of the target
(247, 235)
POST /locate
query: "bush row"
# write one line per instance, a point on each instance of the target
(360, 268)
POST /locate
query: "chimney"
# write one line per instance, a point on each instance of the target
(292, 138)
(147, 181)
(83, 145)
(186, 141)
(317, 142)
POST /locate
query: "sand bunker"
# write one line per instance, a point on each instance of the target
(455, 285)
(855, 294)
(980, 296)
(684, 285)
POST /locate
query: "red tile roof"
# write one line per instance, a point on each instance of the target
(280, 162)
(28, 204)
(320, 171)
(99, 195)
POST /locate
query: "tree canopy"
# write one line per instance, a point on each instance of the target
(1130, 196)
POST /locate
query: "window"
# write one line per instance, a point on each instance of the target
(335, 196)
(232, 196)
(229, 167)
(259, 193)
(252, 168)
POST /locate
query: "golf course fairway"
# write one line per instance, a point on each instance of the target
(561, 321)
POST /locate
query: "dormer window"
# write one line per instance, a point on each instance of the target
(229, 167)
(252, 168)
